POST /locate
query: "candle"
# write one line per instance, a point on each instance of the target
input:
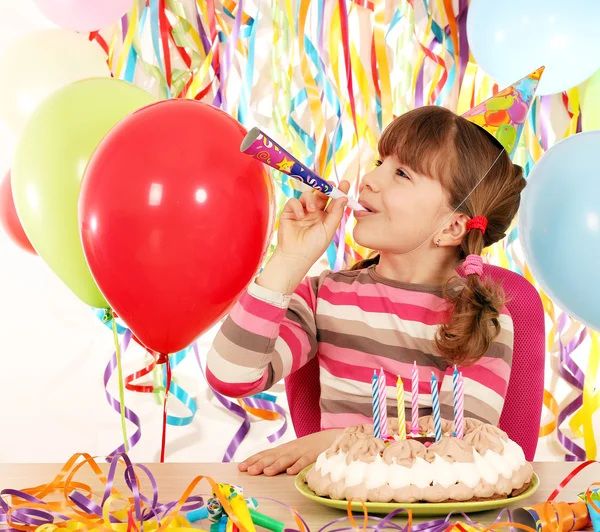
(459, 415)
(414, 418)
(375, 393)
(455, 378)
(401, 417)
(383, 403)
(435, 405)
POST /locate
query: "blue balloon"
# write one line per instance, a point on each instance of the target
(559, 225)
(511, 38)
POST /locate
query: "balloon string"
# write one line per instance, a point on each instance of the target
(163, 444)
(121, 387)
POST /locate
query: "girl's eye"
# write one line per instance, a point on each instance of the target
(378, 162)
(402, 173)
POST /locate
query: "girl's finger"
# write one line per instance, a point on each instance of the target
(295, 207)
(309, 201)
(299, 465)
(243, 466)
(280, 465)
(258, 467)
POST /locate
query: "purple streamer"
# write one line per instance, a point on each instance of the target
(419, 101)
(239, 411)
(37, 517)
(115, 403)
(461, 21)
(273, 407)
(570, 372)
(124, 25)
(419, 87)
(231, 45)
(232, 407)
(203, 38)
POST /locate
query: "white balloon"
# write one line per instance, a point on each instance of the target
(40, 63)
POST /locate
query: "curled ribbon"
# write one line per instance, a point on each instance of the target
(262, 405)
(109, 319)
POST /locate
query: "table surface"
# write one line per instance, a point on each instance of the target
(173, 478)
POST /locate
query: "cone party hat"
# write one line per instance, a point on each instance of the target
(503, 115)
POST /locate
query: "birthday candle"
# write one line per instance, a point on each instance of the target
(383, 403)
(455, 378)
(401, 417)
(460, 410)
(435, 404)
(375, 394)
(415, 399)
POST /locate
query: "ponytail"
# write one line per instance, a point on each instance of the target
(373, 258)
(474, 322)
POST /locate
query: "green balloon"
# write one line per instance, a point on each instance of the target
(50, 159)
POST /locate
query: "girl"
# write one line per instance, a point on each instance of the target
(442, 190)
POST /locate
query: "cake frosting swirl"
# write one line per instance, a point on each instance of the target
(485, 464)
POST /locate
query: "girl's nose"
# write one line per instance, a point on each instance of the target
(369, 181)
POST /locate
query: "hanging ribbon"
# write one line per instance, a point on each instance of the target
(107, 317)
(261, 405)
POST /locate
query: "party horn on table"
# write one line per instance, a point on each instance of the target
(592, 499)
(238, 505)
(266, 150)
(554, 516)
(267, 522)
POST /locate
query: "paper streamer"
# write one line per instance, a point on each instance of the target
(118, 406)
(254, 404)
(67, 503)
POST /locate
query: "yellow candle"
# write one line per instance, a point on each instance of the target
(401, 416)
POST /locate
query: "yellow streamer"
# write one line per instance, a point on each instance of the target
(131, 32)
(581, 422)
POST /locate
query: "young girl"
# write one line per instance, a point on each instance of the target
(430, 212)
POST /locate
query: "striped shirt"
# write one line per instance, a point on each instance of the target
(354, 322)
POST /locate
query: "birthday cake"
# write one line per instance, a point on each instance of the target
(482, 465)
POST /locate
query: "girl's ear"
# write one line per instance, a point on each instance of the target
(454, 232)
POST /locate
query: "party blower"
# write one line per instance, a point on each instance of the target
(266, 150)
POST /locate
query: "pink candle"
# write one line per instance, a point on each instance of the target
(415, 400)
(383, 403)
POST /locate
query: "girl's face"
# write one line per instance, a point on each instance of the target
(406, 208)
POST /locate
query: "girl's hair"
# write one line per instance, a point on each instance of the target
(436, 142)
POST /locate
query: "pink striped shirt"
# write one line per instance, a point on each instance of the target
(354, 322)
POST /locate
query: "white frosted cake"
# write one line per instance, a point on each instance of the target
(483, 465)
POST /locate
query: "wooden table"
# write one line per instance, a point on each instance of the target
(175, 477)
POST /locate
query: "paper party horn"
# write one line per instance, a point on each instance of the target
(266, 150)
(554, 516)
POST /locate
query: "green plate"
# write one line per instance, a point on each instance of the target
(424, 508)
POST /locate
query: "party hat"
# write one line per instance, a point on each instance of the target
(503, 115)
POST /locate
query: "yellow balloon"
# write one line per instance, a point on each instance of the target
(40, 63)
(590, 103)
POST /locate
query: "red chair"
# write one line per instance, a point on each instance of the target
(522, 411)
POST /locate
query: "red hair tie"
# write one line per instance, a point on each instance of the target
(479, 222)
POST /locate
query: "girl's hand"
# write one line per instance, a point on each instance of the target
(307, 225)
(291, 457)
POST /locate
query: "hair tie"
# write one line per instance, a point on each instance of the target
(479, 222)
(473, 265)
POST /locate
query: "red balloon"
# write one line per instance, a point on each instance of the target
(174, 220)
(9, 219)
